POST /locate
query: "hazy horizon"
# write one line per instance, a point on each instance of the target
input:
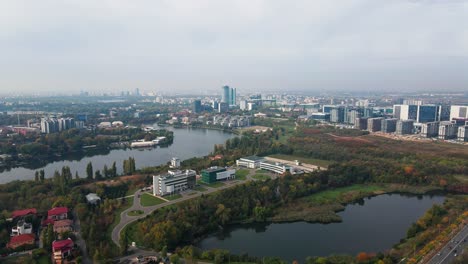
(193, 46)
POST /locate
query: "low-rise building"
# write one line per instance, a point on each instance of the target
(21, 228)
(447, 130)
(23, 213)
(389, 125)
(173, 181)
(251, 162)
(374, 124)
(404, 127)
(57, 213)
(21, 240)
(61, 249)
(430, 129)
(62, 226)
(463, 133)
(214, 174)
(276, 167)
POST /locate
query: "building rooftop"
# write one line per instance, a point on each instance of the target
(62, 223)
(92, 197)
(253, 158)
(57, 211)
(213, 169)
(24, 212)
(22, 238)
(62, 244)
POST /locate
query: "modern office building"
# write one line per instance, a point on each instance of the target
(173, 182)
(463, 133)
(197, 106)
(275, 167)
(430, 129)
(374, 124)
(223, 107)
(447, 130)
(320, 116)
(352, 115)
(444, 113)
(229, 95)
(405, 112)
(361, 123)
(214, 174)
(251, 162)
(458, 111)
(404, 127)
(427, 113)
(337, 115)
(389, 125)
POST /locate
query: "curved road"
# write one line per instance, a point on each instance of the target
(125, 219)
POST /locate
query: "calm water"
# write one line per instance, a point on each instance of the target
(188, 143)
(373, 226)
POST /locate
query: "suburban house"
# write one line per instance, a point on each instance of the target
(57, 213)
(61, 249)
(21, 228)
(62, 226)
(21, 240)
(23, 213)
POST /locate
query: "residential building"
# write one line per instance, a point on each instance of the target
(447, 130)
(252, 162)
(23, 213)
(21, 228)
(223, 107)
(404, 127)
(361, 123)
(352, 115)
(389, 125)
(374, 124)
(463, 133)
(458, 111)
(57, 213)
(430, 129)
(61, 249)
(214, 174)
(21, 240)
(93, 198)
(276, 167)
(173, 181)
(62, 226)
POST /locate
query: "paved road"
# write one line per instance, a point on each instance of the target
(455, 246)
(80, 241)
(126, 219)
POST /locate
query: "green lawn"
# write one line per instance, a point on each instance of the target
(150, 200)
(173, 197)
(317, 162)
(242, 174)
(261, 176)
(338, 194)
(135, 213)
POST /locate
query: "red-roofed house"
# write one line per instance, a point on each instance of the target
(61, 226)
(62, 249)
(21, 240)
(57, 213)
(24, 212)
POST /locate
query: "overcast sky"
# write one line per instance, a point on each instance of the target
(112, 45)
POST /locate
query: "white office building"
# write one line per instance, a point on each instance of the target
(275, 167)
(251, 162)
(174, 181)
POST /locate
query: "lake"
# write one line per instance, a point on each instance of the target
(188, 143)
(373, 226)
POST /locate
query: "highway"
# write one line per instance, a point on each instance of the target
(455, 246)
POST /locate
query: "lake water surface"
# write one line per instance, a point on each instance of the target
(373, 226)
(188, 143)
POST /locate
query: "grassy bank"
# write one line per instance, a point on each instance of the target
(149, 200)
(322, 206)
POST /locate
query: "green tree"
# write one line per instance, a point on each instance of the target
(89, 171)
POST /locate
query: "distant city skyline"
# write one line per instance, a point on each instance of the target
(50, 47)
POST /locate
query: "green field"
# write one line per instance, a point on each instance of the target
(339, 194)
(261, 176)
(317, 162)
(173, 196)
(149, 200)
(241, 174)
